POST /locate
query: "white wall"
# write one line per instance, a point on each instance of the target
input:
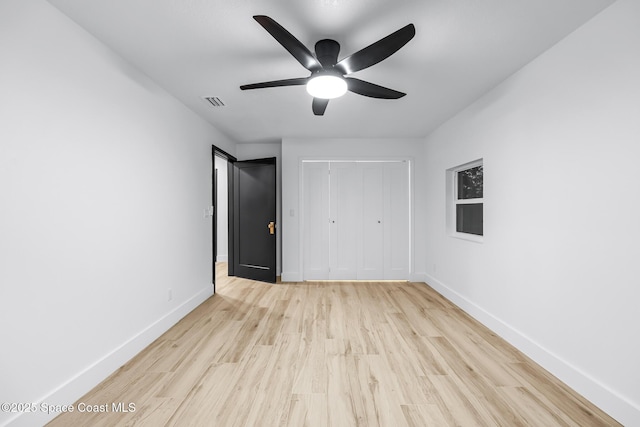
(294, 150)
(558, 272)
(222, 247)
(103, 181)
(265, 150)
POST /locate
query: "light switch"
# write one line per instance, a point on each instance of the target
(208, 212)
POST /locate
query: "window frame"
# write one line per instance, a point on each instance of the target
(453, 201)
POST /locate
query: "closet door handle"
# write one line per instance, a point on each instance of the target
(272, 227)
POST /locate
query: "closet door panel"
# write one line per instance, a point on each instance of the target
(397, 242)
(371, 259)
(346, 213)
(315, 217)
(356, 220)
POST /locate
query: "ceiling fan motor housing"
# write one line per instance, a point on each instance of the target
(327, 52)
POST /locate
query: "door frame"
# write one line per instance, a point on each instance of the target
(216, 151)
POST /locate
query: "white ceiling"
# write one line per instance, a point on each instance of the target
(199, 48)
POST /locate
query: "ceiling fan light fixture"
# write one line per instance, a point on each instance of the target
(327, 86)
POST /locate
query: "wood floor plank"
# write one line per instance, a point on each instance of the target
(340, 399)
(246, 336)
(385, 392)
(204, 401)
(457, 405)
(338, 354)
(273, 399)
(478, 384)
(186, 376)
(273, 322)
(311, 376)
(429, 364)
(541, 383)
(533, 408)
(403, 364)
(243, 388)
(307, 410)
(417, 315)
(423, 415)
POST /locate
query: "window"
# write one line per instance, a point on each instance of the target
(465, 201)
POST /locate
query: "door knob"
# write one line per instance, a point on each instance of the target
(272, 227)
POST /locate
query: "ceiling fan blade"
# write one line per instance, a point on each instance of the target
(289, 42)
(371, 90)
(378, 51)
(319, 105)
(277, 83)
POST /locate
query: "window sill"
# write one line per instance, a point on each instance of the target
(467, 236)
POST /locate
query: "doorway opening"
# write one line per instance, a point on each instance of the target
(222, 209)
(244, 228)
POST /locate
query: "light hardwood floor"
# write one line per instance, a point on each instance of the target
(333, 354)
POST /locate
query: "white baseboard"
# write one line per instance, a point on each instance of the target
(297, 277)
(419, 277)
(84, 381)
(617, 406)
(290, 277)
(222, 258)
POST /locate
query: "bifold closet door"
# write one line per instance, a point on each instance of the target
(356, 221)
(397, 221)
(346, 214)
(315, 220)
(385, 244)
(371, 250)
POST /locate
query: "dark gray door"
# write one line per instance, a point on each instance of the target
(254, 234)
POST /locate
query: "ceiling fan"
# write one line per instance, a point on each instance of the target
(327, 79)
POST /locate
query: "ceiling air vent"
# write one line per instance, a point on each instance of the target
(214, 101)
